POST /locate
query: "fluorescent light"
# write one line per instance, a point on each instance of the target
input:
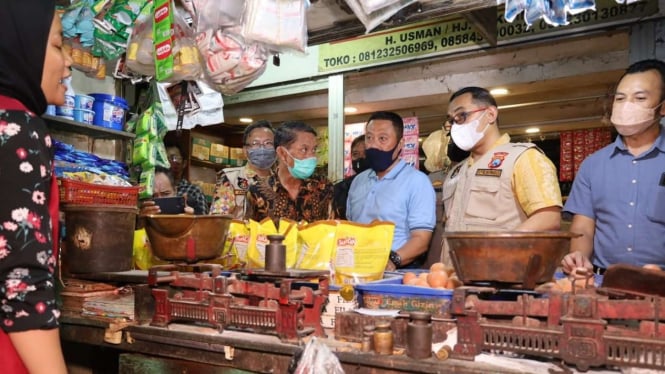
(350, 109)
(499, 91)
(245, 120)
(532, 130)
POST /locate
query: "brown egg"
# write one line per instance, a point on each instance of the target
(652, 267)
(413, 282)
(408, 277)
(437, 278)
(423, 276)
(437, 266)
(421, 283)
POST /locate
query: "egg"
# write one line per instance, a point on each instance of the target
(437, 278)
(421, 283)
(652, 267)
(423, 276)
(408, 277)
(437, 266)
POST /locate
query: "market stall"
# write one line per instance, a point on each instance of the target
(212, 294)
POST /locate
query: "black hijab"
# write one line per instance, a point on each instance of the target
(24, 30)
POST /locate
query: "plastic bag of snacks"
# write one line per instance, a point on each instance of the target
(316, 245)
(361, 251)
(289, 229)
(234, 254)
(279, 24)
(259, 231)
(144, 259)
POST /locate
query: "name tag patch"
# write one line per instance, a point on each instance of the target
(489, 172)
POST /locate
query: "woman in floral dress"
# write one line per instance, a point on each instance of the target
(32, 67)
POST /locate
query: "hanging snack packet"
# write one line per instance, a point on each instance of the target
(161, 30)
(259, 231)
(289, 229)
(361, 251)
(316, 245)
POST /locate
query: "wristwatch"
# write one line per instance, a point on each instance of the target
(395, 259)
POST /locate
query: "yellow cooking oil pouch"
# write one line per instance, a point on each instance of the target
(258, 240)
(234, 254)
(289, 229)
(361, 251)
(316, 245)
(143, 256)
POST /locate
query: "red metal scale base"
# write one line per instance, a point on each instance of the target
(287, 304)
(592, 327)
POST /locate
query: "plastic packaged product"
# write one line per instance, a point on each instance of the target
(67, 110)
(581, 6)
(109, 111)
(84, 115)
(513, 8)
(83, 102)
(557, 14)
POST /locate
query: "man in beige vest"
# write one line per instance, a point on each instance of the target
(502, 185)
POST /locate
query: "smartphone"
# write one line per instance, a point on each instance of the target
(170, 205)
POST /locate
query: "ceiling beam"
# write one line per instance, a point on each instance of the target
(484, 21)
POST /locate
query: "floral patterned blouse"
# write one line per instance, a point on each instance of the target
(269, 198)
(27, 263)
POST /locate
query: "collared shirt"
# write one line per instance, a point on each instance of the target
(535, 181)
(404, 196)
(195, 197)
(231, 190)
(625, 196)
(269, 198)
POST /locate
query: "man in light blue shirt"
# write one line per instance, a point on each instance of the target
(391, 190)
(618, 196)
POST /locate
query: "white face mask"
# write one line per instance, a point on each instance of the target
(630, 118)
(466, 136)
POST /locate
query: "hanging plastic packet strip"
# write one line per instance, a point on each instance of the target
(162, 25)
(535, 10)
(513, 9)
(581, 6)
(557, 15)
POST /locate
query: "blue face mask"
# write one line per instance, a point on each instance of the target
(302, 169)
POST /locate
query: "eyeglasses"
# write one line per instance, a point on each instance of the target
(461, 117)
(175, 158)
(257, 144)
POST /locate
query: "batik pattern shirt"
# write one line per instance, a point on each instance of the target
(269, 198)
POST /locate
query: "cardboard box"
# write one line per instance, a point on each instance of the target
(219, 153)
(201, 149)
(236, 157)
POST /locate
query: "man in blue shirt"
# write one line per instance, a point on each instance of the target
(391, 190)
(618, 196)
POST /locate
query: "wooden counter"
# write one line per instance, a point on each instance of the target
(186, 347)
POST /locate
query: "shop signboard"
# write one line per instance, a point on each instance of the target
(445, 36)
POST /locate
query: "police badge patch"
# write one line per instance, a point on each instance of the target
(497, 160)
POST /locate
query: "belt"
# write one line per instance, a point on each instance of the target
(598, 270)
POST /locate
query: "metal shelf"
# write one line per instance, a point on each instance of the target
(64, 124)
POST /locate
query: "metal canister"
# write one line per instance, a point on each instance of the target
(275, 254)
(367, 344)
(383, 338)
(419, 335)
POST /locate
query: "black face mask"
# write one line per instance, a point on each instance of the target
(359, 165)
(454, 153)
